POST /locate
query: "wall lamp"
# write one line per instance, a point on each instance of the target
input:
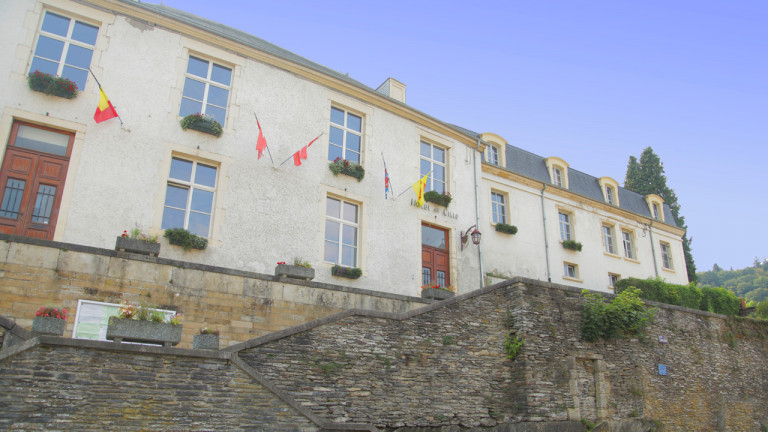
(470, 232)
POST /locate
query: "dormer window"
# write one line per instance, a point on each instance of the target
(557, 175)
(493, 155)
(609, 195)
(610, 189)
(656, 206)
(655, 211)
(494, 148)
(558, 171)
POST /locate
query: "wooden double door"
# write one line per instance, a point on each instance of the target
(435, 263)
(32, 180)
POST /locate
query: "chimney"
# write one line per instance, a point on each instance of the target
(393, 88)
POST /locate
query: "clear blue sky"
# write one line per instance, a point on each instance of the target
(592, 82)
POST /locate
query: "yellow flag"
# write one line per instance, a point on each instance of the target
(418, 187)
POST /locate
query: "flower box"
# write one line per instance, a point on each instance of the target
(52, 85)
(443, 199)
(48, 326)
(202, 123)
(132, 330)
(347, 272)
(572, 245)
(207, 341)
(294, 271)
(127, 244)
(436, 294)
(343, 166)
(506, 229)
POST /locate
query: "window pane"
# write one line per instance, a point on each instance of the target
(205, 175)
(45, 66)
(55, 24)
(348, 256)
(336, 136)
(334, 152)
(197, 67)
(331, 252)
(49, 48)
(438, 173)
(202, 200)
(425, 168)
(181, 169)
(14, 190)
(42, 140)
(353, 142)
(354, 122)
(221, 75)
(426, 150)
(193, 89)
(78, 76)
(438, 154)
(333, 208)
(337, 116)
(199, 223)
(350, 213)
(189, 106)
(438, 187)
(85, 33)
(332, 231)
(43, 204)
(176, 197)
(353, 157)
(217, 96)
(433, 237)
(220, 115)
(172, 218)
(349, 235)
(79, 56)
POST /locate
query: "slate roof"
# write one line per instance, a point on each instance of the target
(518, 160)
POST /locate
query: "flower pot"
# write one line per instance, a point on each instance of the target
(131, 330)
(295, 272)
(347, 272)
(205, 341)
(127, 244)
(436, 294)
(48, 326)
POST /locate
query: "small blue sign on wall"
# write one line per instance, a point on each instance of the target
(662, 369)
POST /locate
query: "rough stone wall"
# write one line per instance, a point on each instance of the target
(242, 305)
(50, 387)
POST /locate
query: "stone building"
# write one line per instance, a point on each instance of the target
(67, 178)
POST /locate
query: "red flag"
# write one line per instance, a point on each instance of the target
(302, 154)
(105, 110)
(261, 143)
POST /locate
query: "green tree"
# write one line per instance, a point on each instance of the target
(646, 176)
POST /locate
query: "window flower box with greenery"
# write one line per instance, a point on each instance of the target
(138, 242)
(185, 239)
(343, 166)
(347, 272)
(300, 269)
(437, 292)
(572, 245)
(506, 229)
(202, 123)
(49, 321)
(438, 198)
(207, 339)
(143, 324)
(52, 85)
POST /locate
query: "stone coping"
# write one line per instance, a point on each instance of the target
(204, 267)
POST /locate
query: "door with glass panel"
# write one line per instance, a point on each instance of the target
(434, 256)
(32, 179)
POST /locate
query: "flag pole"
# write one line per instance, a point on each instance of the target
(310, 143)
(411, 186)
(99, 84)
(385, 171)
(268, 151)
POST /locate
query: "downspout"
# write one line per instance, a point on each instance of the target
(653, 251)
(544, 222)
(477, 215)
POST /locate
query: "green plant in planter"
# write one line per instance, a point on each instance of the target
(347, 272)
(298, 261)
(202, 123)
(507, 229)
(52, 85)
(572, 245)
(185, 239)
(438, 198)
(343, 166)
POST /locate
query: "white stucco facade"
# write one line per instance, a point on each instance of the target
(264, 213)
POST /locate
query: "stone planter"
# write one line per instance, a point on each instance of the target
(131, 330)
(127, 244)
(436, 294)
(205, 341)
(295, 272)
(48, 326)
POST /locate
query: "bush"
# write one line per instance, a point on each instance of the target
(347, 272)
(507, 229)
(626, 314)
(716, 300)
(572, 245)
(719, 300)
(438, 198)
(185, 239)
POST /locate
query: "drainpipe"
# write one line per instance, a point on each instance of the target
(477, 216)
(546, 242)
(653, 251)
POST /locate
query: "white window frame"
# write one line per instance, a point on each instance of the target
(612, 279)
(345, 129)
(340, 234)
(566, 226)
(628, 240)
(493, 154)
(68, 42)
(498, 207)
(609, 239)
(208, 82)
(432, 164)
(557, 176)
(655, 209)
(666, 256)
(609, 194)
(570, 270)
(191, 186)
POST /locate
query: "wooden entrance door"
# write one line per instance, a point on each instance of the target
(435, 266)
(32, 179)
